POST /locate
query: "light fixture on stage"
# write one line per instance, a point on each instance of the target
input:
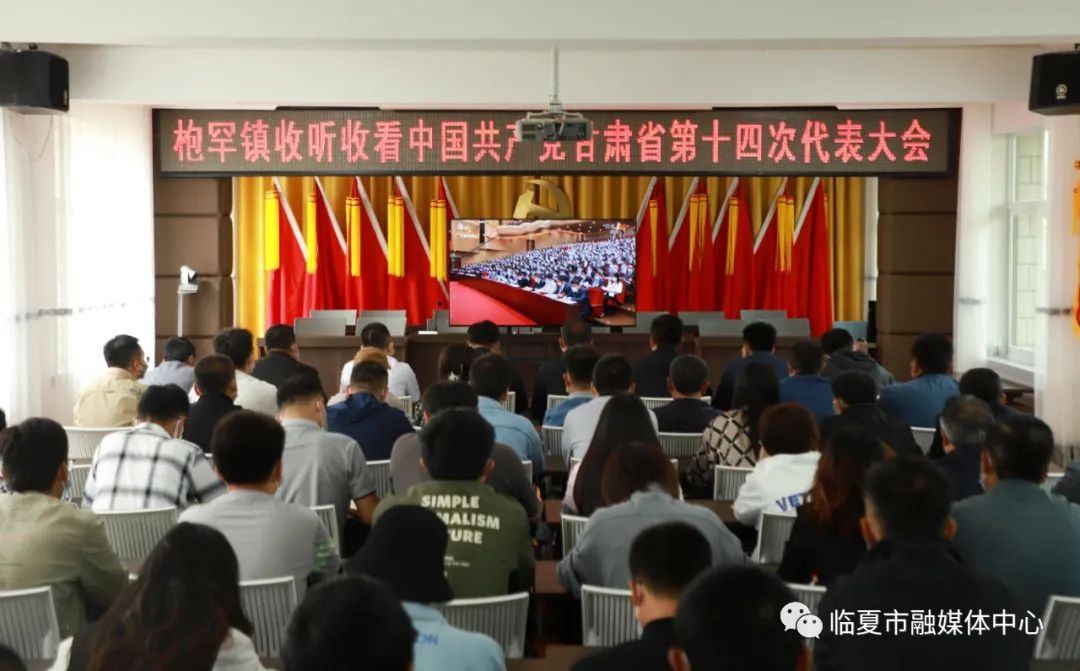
(553, 124)
(189, 285)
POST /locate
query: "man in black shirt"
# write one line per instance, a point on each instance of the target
(855, 394)
(215, 381)
(687, 413)
(282, 359)
(485, 335)
(549, 379)
(651, 372)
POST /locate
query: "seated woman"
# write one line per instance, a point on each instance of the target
(183, 612)
(639, 488)
(826, 541)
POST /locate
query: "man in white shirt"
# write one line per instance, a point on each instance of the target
(113, 398)
(251, 393)
(612, 375)
(402, 377)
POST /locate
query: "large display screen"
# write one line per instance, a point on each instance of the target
(540, 272)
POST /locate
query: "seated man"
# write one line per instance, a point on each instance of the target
(1015, 532)
(664, 560)
(759, 346)
(282, 360)
(855, 395)
(911, 566)
(807, 386)
(251, 392)
(365, 417)
(215, 386)
(177, 366)
(490, 377)
(402, 381)
(611, 376)
(490, 551)
(919, 402)
(651, 372)
(843, 355)
(271, 538)
(551, 378)
(113, 398)
(985, 385)
(49, 543)
(965, 424)
(506, 477)
(579, 363)
(148, 467)
(688, 377)
(485, 335)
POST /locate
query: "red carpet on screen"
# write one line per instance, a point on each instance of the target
(468, 306)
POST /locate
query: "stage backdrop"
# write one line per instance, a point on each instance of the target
(720, 243)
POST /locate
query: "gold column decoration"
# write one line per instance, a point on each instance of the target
(271, 229)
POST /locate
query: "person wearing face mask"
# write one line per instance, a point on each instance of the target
(150, 466)
(112, 399)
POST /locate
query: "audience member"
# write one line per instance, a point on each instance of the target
(148, 466)
(1016, 532)
(177, 366)
(732, 438)
(352, 623)
(113, 398)
(826, 541)
(215, 384)
(844, 354)
(651, 372)
(9, 660)
(506, 477)
(640, 489)
(183, 612)
(48, 542)
(490, 550)
(730, 619)
(271, 538)
(919, 402)
(759, 346)
(579, 364)
(402, 380)
(688, 378)
(1068, 486)
(378, 356)
(806, 385)
(490, 377)
(911, 566)
(983, 384)
(965, 424)
(406, 553)
(365, 417)
(251, 393)
(611, 375)
(855, 395)
(282, 360)
(485, 335)
(455, 361)
(664, 561)
(785, 469)
(551, 378)
(624, 420)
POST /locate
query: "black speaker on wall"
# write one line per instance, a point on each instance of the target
(1055, 83)
(33, 82)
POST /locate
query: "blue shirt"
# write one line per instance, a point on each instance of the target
(370, 422)
(722, 399)
(813, 392)
(557, 415)
(920, 401)
(440, 647)
(514, 431)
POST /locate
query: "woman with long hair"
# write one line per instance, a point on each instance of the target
(455, 361)
(181, 614)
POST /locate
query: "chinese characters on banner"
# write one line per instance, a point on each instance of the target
(736, 142)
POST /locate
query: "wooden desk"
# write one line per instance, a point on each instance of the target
(527, 664)
(555, 465)
(722, 509)
(561, 657)
(546, 581)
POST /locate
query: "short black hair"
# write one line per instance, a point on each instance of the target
(375, 334)
(32, 452)
(279, 336)
(443, 395)
(164, 403)
(689, 373)
(121, 350)
(576, 332)
(299, 388)
(456, 444)
(729, 618)
(666, 330)
(3, 420)
(1021, 447)
(349, 623)
(855, 387)
(10, 660)
(247, 446)
(667, 557)
(911, 497)
(612, 374)
(369, 375)
(982, 383)
(490, 375)
(483, 333)
(178, 349)
(966, 421)
(807, 357)
(213, 373)
(837, 339)
(759, 336)
(933, 352)
(237, 344)
(581, 362)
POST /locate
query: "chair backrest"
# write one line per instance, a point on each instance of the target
(1060, 637)
(924, 437)
(133, 534)
(269, 604)
(28, 623)
(552, 436)
(82, 443)
(320, 326)
(1051, 480)
(394, 320)
(643, 323)
(503, 618)
(78, 474)
(763, 315)
(555, 399)
(409, 406)
(607, 617)
(721, 328)
(680, 445)
(528, 466)
(441, 322)
(727, 480)
(510, 402)
(654, 402)
(808, 595)
(571, 529)
(772, 537)
(347, 316)
(328, 516)
(380, 475)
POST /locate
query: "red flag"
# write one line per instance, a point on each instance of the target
(773, 287)
(811, 266)
(652, 246)
(283, 258)
(326, 278)
(367, 267)
(688, 251)
(419, 293)
(735, 257)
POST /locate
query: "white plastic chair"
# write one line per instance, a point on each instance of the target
(607, 617)
(924, 437)
(28, 623)
(1051, 481)
(555, 399)
(727, 480)
(380, 475)
(407, 402)
(571, 529)
(552, 436)
(503, 618)
(328, 516)
(511, 401)
(680, 445)
(528, 466)
(1060, 637)
(133, 534)
(808, 595)
(654, 402)
(772, 537)
(77, 474)
(82, 442)
(269, 604)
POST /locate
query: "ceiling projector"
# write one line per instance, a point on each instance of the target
(553, 124)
